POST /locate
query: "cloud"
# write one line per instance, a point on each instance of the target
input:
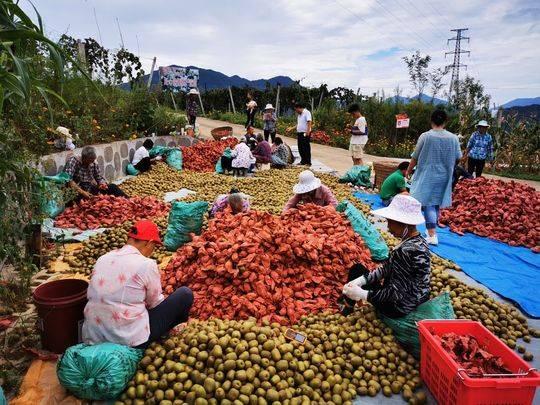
(339, 42)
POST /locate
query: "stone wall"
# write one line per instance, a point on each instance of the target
(112, 158)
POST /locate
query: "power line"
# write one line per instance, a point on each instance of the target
(360, 18)
(97, 25)
(120, 31)
(456, 66)
(427, 18)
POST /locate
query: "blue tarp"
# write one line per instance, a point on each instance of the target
(513, 272)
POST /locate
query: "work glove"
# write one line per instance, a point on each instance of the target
(355, 292)
(360, 281)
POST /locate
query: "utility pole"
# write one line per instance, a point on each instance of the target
(232, 100)
(151, 75)
(277, 99)
(454, 83)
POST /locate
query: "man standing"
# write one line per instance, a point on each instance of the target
(303, 133)
(86, 177)
(394, 184)
(359, 135)
(479, 149)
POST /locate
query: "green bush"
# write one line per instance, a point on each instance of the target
(166, 120)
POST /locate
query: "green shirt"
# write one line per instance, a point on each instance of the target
(392, 185)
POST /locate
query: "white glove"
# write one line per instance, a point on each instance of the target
(355, 292)
(360, 281)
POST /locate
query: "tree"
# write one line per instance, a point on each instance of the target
(418, 71)
(436, 80)
(472, 103)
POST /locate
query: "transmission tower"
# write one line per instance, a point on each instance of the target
(454, 83)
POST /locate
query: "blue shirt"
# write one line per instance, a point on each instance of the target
(436, 154)
(480, 146)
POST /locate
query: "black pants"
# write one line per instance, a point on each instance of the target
(475, 166)
(304, 148)
(112, 189)
(191, 120)
(269, 135)
(250, 122)
(173, 311)
(143, 165)
(226, 163)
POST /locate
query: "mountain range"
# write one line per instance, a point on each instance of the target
(210, 79)
(521, 102)
(423, 97)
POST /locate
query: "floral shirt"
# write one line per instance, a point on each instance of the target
(80, 174)
(192, 108)
(270, 120)
(280, 155)
(123, 287)
(480, 146)
(222, 203)
(323, 197)
(242, 157)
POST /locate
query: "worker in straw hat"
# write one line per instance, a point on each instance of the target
(192, 106)
(125, 301)
(64, 139)
(405, 276)
(479, 149)
(309, 189)
(270, 122)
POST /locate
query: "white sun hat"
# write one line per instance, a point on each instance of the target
(482, 123)
(193, 91)
(63, 131)
(404, 209)
(306, 182)
(269, 107)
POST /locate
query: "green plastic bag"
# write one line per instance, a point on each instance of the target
(52, 198)
(227, 153)
(159, 151)
(405, 329)
(363, 227)
(2, 397)
(130, 169)
(174, 159)
(358, 175)
(98, 372)
(184, 219)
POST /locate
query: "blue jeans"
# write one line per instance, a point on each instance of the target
(431, 214)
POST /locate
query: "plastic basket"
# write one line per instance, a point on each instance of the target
(450, 384)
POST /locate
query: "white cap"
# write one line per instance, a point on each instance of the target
(193, 91)
(482, 123)
(404, 209)
(306, 182)
(269, 107)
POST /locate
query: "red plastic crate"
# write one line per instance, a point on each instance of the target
(449, 385)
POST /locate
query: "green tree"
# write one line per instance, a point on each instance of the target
(417, 66)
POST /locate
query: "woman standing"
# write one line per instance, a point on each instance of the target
(192, 107)
(269, 119)
(251, 109)
(437, 152)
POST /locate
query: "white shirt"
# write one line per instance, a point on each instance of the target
(302, 121)
(139, 155)
(360, 139)
(123, 287)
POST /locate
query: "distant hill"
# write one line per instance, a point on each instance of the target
(529, 111)
(521, 102)
(210, 79)
(423, 97)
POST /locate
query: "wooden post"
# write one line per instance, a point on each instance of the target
(312, 104)
(174, 102)
(151, 73)
(320, 99)
(200, 101)
(81, 52)
(277, 99)
(232, 100)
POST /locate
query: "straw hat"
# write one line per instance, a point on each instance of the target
(482, 123)
(306, 182)
(64, 131)
(269, 107)
(193, 91)
(404, 209)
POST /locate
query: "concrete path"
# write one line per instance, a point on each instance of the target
(336, 158)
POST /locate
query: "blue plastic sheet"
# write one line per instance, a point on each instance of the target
(510, 271)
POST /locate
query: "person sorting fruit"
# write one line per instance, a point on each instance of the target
(86, 177)
(234, 202)
(402, 283)
(310, 190)
(125, 300)
(394, 184)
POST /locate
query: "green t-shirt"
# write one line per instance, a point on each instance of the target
(392, 185)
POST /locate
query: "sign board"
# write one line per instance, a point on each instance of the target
(402, 121)
(176, 78)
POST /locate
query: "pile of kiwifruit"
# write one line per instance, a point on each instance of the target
(241, 362)
(475, 304)
(83, 259)
(269, 189)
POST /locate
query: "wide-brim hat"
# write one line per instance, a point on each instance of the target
(404, 209)
(306, 182)
(269, 107)
(63, 131)
(193, 91)
(482, 123)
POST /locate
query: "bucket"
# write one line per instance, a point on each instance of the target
(60, 307)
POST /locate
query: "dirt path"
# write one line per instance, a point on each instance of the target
(336, 158)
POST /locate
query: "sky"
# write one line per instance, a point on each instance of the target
(350, 43)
